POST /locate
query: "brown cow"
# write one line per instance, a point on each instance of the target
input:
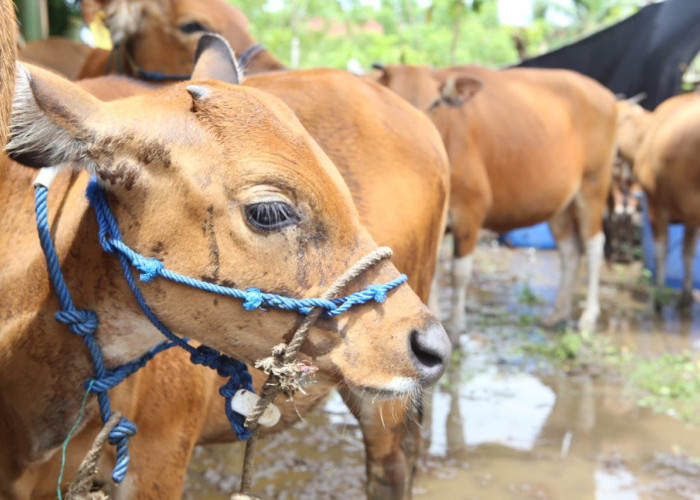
(532, 145)
(160, 36)
(62, 55)
(8, 54)
(212, 149)
(664, 147)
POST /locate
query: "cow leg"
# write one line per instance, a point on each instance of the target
(594, 259)
(563, 228)
(690, 239)
(391, 432)
(462, 268)
(434, 299)
(659, 225)
(470, 200)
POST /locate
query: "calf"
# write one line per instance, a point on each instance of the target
(181, 184)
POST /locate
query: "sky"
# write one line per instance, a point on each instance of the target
(511, 12)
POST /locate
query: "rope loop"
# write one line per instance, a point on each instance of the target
(119, 436)
(206, 356)
(253, 299)
(80, 322)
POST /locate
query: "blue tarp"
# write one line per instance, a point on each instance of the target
(538, 236)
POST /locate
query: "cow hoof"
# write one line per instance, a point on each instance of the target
(555, 321)
(587, 323)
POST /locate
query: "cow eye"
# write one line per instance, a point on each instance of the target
(271, 215)
(192, 27)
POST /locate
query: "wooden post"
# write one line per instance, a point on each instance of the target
(33, 18)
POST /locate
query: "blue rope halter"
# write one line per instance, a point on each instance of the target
(84, 322)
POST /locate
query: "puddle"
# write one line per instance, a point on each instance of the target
(503, 424)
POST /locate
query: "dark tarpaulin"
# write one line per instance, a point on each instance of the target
(647, 52)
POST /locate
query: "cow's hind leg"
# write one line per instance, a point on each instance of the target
(391, 430)
(563, 226)
(659, 226)
(690, 239)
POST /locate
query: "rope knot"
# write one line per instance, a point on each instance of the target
(80, 322)
(378, 293)
(253, 299)
(288, 375)
(150, 268)
(119, 436)
(205, 355)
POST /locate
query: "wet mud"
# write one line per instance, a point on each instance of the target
(505, 423)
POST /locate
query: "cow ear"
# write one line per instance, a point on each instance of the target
(50, 118)
(214, 59)
(457, 90)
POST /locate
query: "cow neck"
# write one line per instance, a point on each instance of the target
(44, 352)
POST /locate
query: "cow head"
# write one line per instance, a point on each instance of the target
(222, 183)
(425, 88)
(632, 121)
(161, 35)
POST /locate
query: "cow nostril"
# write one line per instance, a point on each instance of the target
(425, 356)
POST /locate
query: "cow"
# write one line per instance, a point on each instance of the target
(154, 37)
(182, 167)
(663, 148)
(8, 54)
(526, 145)
(391, 157)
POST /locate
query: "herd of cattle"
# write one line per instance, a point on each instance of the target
(391, 158)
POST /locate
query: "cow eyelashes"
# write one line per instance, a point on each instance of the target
(192, 27)
(271, 215)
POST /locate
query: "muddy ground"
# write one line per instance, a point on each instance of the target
(523, 413)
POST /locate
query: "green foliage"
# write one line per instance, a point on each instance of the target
(563, 348)
(527, 295)
(670, 383)
(441, 33)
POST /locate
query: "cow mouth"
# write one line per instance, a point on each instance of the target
(398, 388)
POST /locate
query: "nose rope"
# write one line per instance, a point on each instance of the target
(284, 373)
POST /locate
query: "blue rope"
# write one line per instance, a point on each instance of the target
(84, 323)
(253, 298)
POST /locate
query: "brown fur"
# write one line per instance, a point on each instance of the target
(66, 57)
(532, 145)
(664, 147)
(36, 426)
(8, 54)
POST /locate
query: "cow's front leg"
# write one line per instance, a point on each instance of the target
(392, 435)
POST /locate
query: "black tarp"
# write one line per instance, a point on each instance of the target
(647, 52)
